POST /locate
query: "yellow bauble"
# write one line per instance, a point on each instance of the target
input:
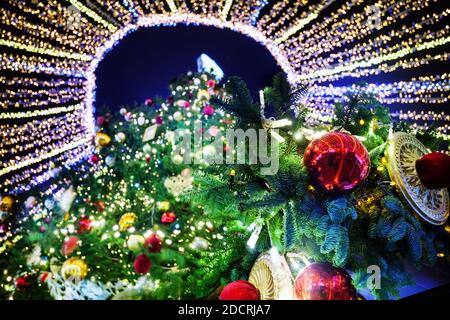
(203, 95)
(102, 139)
(163, 205)
(74, 268)
(127, 221)
(7, 204)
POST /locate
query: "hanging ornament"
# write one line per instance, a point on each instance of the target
(100, 121)
(49, 204)
(211, 83)
(30, 203)
(177, 159)
(402, 154)
(168, 217)
(337, 162)
(240, 290)
(128, 116)
(22, 283)
(141, 121)
(34, 258)
(178, 184)
(84, 225)
(142, 264)
(7, 204)
(147, 149)
(100, 205)
(123, 111)
(110, 160)
(150, 133)
(70, 245)
(433, 170)
(148, 102)
(271, 275)
(163, 205)
(208, 110)
(178, 116)
(66, 199)
(200, 243)
(153, 243)
(203, 95)
(322, 281)
(159, 120)
(186, 172)
(213, 131)
(120, 137)
(135, 242)
(102, 139)
(94, 159)
(127, 221)
(74, 268)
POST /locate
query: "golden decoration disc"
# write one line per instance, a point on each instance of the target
(272, 278)
(402, 152)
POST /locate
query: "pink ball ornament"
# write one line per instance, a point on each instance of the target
(148, 102)
(100, 121)
(211, 83)
(208, 110)
(159, 120)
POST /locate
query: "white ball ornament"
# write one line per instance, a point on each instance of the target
(147, 149)
(31, 202)
(49, 204)
(178, 116)
(197, 81)
(120, 137)
(141, 121)
(177, 159)
(135, 242)
(128, 116)
(123, 111)
(110, 160)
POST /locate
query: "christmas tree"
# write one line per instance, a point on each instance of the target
(169, 206)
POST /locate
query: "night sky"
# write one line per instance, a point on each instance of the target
(145, 61)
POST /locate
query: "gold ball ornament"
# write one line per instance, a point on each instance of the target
(127, 221)
(203, 95)
(102, 139)
(74, 268)
(7, 204)
(163, 205)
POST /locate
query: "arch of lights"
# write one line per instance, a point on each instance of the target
(47, 64)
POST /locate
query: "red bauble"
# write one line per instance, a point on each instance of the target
(22, 282)
(100, 121)
(100, 206)
(153, 243)
(142, 264)
(70, 245)
(94, 159)
(149, 102)
(322, 281)
(84, 225)
(168, 217)
(240, 290)
(433, 170)
(337, 162)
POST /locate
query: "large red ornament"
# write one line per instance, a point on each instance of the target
(240, 290)
(153, 243)
(337, 162)
(142, 264)
(22, 282)
(433, 170)
(322, 281)
(70, 245)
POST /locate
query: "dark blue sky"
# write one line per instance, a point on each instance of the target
(144, 62)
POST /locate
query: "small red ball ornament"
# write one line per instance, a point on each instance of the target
(322, 281)
(22, 282)
(433, 170)
(337, 162)
(240, 290)
(168, 217)
(153, 243)
(84, 225)
(142, 264)
(100, 206)
(94, 159)
(149, 102)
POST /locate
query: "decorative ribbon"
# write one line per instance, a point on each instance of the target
(271, 124)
